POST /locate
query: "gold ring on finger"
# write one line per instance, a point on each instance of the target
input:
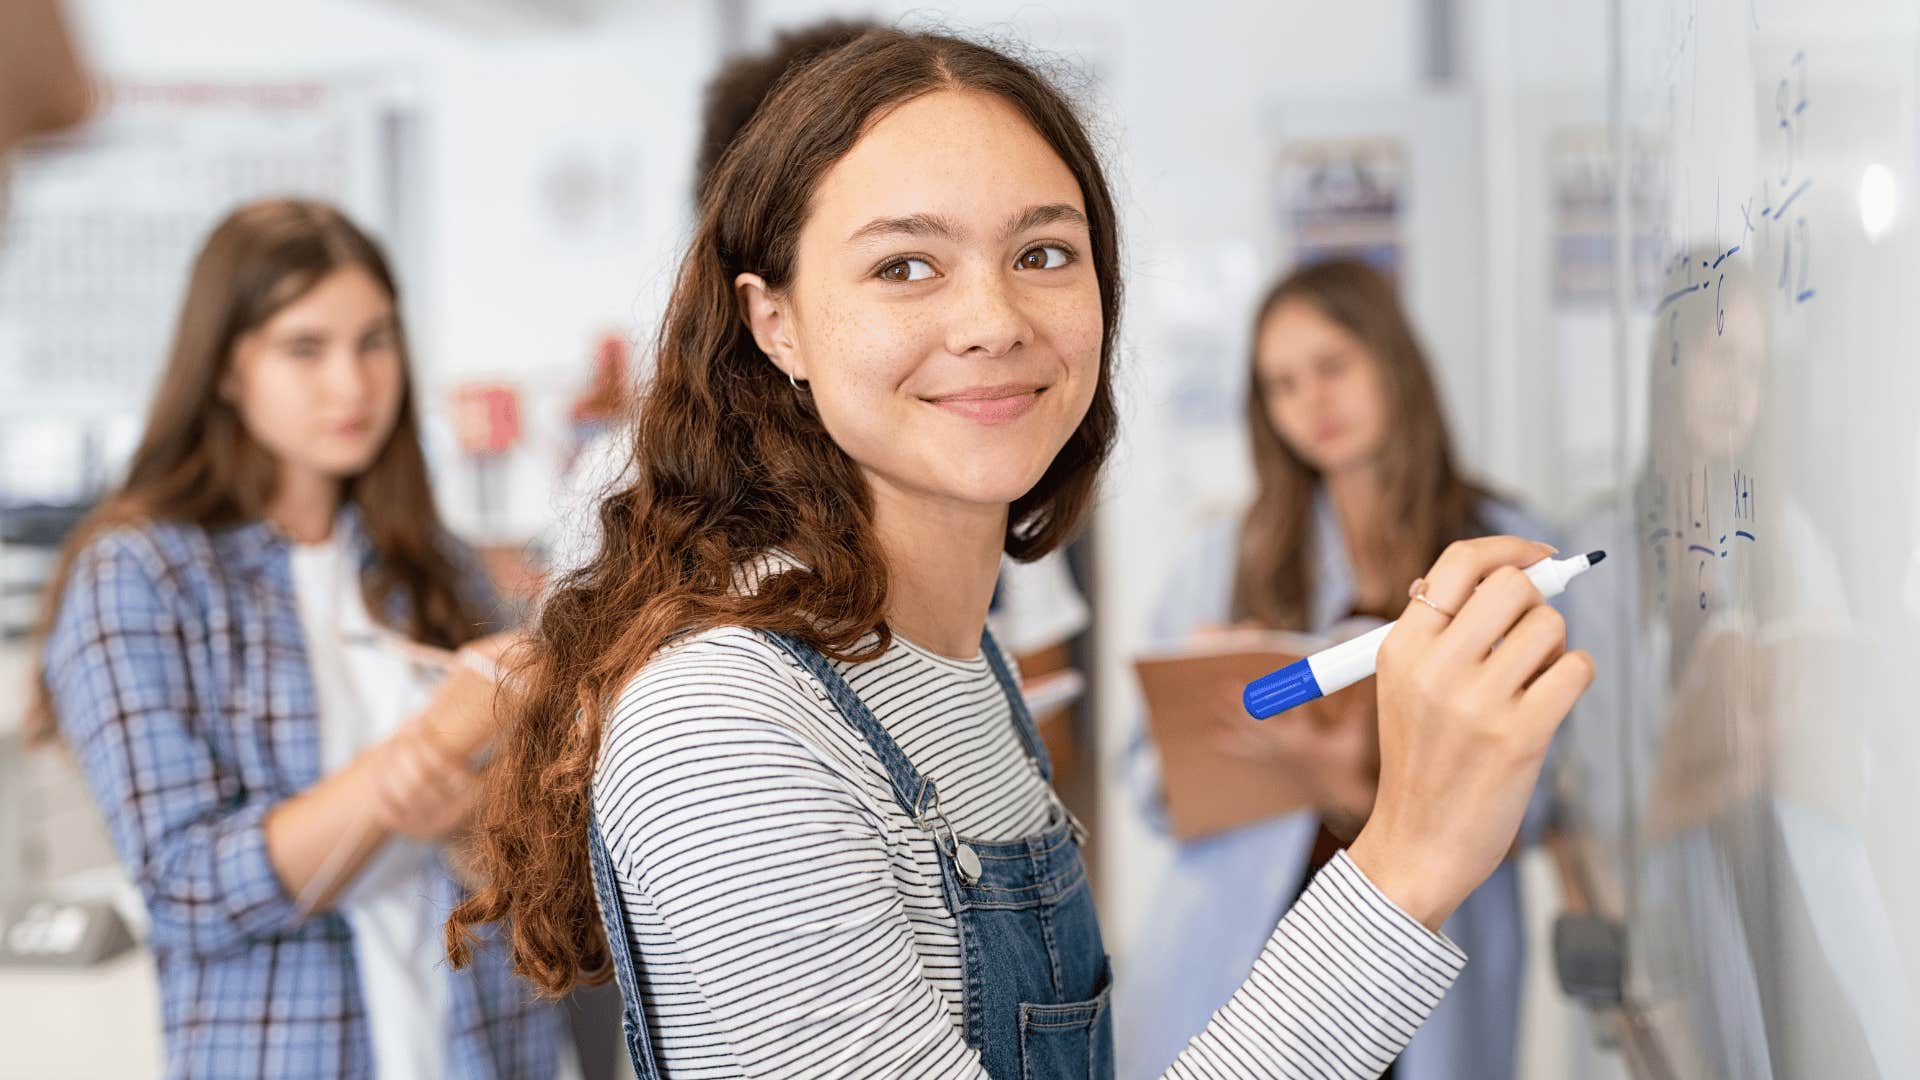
(1418, 592)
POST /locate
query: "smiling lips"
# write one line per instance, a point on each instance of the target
(991, 404)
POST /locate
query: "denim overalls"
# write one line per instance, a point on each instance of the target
(1036, 973)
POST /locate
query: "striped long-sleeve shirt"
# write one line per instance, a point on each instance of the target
(788, 914)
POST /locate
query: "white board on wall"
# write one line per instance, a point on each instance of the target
(1746, 774)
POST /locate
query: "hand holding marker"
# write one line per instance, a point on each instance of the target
(1331, 670)
(455, 721)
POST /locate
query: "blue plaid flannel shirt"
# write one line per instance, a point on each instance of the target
(179, 672)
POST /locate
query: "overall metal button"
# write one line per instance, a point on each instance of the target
(969, 863)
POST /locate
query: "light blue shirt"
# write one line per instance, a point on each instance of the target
(1219, 900)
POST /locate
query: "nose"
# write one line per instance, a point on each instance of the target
(346, 379)
(987, 319)
(1319, 393)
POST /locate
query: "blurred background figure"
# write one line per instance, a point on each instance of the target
(1356, 493)
(233, 651)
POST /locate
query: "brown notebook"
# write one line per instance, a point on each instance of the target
(1206, 790)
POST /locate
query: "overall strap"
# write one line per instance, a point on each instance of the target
(915, 794)
(613, 916)
(1022, 719)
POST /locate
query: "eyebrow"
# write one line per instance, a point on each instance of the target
(1035, 217)
(945, 228)
(910, 225)
(307, 335)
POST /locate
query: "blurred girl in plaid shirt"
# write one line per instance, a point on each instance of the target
(251, 649)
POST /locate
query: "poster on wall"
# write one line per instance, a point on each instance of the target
(93, 267)
(1592, 425)
(1343, 198)
(1580, 178)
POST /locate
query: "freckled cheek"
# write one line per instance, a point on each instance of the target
(869, 355)
(1074, 329)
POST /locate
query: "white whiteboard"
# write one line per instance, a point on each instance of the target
(1745, 778)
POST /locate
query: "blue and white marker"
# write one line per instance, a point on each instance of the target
(1332, 670)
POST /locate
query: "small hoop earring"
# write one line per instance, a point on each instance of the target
(799, 385)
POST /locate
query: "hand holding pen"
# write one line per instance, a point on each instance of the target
(420, 781)
(1474, 680)
(462, 715)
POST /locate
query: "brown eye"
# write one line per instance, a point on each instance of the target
(1044, 257)
(905, 270)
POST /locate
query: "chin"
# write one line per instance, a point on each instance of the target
(346, 466)
(998, 494)
(1351, 451)
(991, 486)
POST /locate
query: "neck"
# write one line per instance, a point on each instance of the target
(303, 505)
(942, 559)
(1355, 495)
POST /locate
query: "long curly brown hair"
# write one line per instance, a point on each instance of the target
(727, 462)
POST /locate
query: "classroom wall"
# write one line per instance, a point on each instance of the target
(1190, 98)
(1186, 100)
(503, 284)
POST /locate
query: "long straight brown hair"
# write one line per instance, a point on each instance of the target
(197, 463)
(1429, 503)
(729, 460)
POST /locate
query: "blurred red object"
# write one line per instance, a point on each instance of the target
(486, 418)
(608, 393)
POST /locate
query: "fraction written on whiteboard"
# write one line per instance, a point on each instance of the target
(1715, 521)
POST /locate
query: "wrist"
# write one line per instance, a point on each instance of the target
(1411, 887)
(363, 776)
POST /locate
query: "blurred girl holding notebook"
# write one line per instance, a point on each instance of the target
(1356, 492)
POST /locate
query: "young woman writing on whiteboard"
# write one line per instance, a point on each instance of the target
(1355, 493)
(226, 656)
(765, 721)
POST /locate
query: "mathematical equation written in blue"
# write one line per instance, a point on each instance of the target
(1772, 221)
(1697, 537)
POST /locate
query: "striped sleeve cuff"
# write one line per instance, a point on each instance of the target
(1378, 970)
(1344, 982)
(1343, 871)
